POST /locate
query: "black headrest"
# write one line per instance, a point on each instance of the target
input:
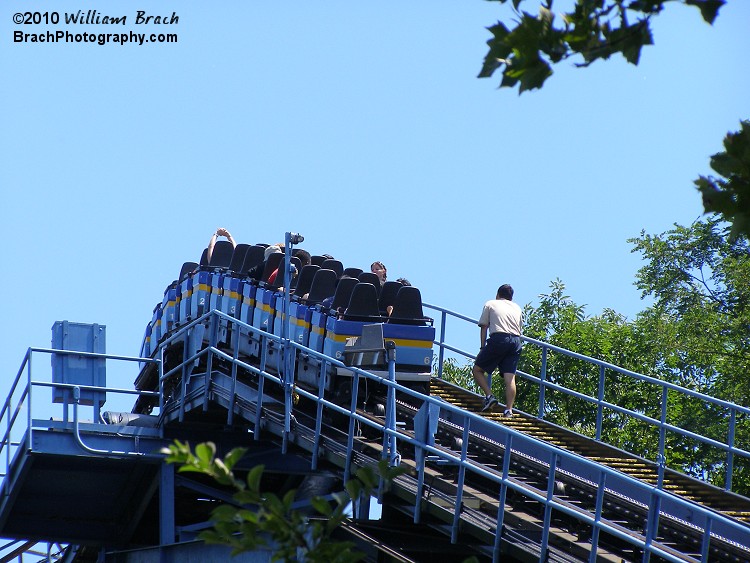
(221, 257)
(253, 257)
(344, 289)
(407, 308)
(305, 279)
(187, 268)
(296, 266)
(363, 304)
(388, 294)
(369, 277)
(333, 264)
(238, 257)
(323, 285)
(272, 262)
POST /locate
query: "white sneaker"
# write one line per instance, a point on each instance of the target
(489, 402)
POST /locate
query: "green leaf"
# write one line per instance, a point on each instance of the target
(191, 469)
(273, 504)
(205, 452)
(729, 196)
(321, 505)
(247, 497)
(709, 8)
(254, 476)
(224, 513)
(534, 75)
(367, 477)
(390, 472)
(288, 500)
(354, 488)
(629, 40)
(498, 53)
(231, 459)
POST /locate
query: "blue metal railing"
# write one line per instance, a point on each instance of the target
(474, 426)
(664, 387)
(21, 394)
(39, 551)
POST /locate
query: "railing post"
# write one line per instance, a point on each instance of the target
(730, 453)
(652, 519)
(285, 328)
(233, 387)
(554, 460)
(600, 404)
(597, 516)
(259, 407)
(350, 434)
(542, 382)
(441, 353)
(496, 555)
(390, 420)
(652, 525)
(183, 386)
(286, 349)
(213, 337)
(160, 371)
(29, 409)
(460, 482)
(319, 414)
(662, 459)
(706, 544)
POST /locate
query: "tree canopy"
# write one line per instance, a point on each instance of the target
(523, 53)
(695, 334)
(729, 194)
(592, 30)
(699, 277)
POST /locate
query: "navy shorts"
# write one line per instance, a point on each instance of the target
(502, 350)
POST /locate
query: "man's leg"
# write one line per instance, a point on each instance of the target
(482, 380)
(510, 390)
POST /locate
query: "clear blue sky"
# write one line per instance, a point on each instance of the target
(361, 126)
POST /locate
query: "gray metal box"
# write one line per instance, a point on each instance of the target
(79, 370)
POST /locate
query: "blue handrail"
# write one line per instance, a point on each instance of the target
(729, 447)
(22, 390)
(472, 424)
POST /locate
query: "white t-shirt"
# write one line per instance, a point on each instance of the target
(501, 315)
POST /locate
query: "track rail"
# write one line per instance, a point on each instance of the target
(523, 519)
(729, 504)
(541, 515)
(680, 536)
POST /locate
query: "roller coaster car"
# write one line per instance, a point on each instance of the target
(411, 332)
(324, 329)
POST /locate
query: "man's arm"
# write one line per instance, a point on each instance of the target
(482, 336)
(220, 232)
(211, 244)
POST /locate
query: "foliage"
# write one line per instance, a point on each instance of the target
(458, 375)
(729, 195)
(263, 520)
(700, 279)
(695, 335)
(593, 29)
(598, 29)
(607, 337)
